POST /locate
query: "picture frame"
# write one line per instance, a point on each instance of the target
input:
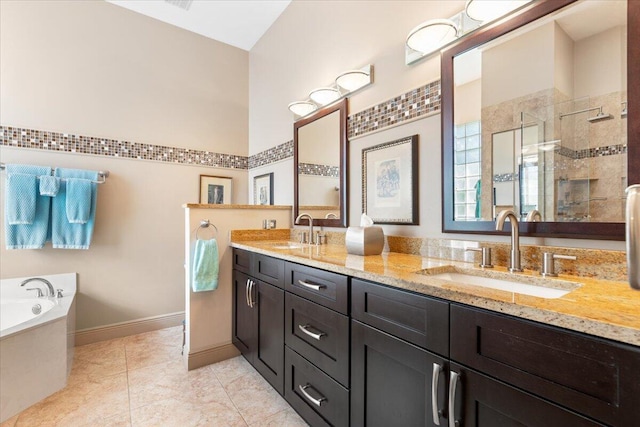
(390, 182)
(215, 190)
(263, 189)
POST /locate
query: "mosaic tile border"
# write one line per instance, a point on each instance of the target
(72, 143)
(505, 177)
(608, 150)
(272, 155)
(319, 170)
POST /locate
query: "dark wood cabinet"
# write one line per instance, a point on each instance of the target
(322, 287)
(481, 401)
(258, 322)
(591, 376)
(393, 382)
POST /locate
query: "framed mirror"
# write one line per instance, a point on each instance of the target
(320, 172)
(535, 118)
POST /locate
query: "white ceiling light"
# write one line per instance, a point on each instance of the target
(488, 10)
(432, 35)
(324, 95)
(302, 108)
(353, 80)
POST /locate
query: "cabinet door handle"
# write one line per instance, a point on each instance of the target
(251, 292)
(437, 369)
(303, 390)
(304, 329)
(246, 293)
(311, 285)
(453, 389)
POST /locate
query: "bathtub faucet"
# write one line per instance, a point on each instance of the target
(50, 291)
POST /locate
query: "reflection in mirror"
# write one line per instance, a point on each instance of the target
(539, 120)
(320, 153)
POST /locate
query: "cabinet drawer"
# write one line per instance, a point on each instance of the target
(242, 260)
(326, 288)
(267, 269)
(422, 321)
(320, 400)
(320, 335)
(589, 375)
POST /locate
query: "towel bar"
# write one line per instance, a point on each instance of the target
(101, 174)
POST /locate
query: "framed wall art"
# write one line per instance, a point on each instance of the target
(390, 182)
(263, 189)
(215, 190)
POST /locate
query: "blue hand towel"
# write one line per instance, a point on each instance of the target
(49, 185)
(79, 200)
(205, 266)
(21, 198)
(34, 235)
(67, 235)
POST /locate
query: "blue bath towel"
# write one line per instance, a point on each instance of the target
(34, 235)
(64, 234)
(49, 185)
(21, 198)
(205, 266)
(79, 200)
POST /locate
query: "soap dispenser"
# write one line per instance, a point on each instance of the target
(632, 230)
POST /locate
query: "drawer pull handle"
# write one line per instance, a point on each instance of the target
(437, 369)
(311, 285)
(246, 293)
(304, 329)
(303, 390)
(251, 293)
(453, 388)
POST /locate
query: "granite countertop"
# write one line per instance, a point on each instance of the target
(609, 309)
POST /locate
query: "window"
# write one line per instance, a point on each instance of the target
(467, 155)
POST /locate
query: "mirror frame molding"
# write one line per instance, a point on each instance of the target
(340, 106)
(576, 230)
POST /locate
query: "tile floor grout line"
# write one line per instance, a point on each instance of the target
(230, 399)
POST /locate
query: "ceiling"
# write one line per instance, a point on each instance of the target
(239, 23)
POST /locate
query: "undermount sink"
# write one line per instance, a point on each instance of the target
(287, 245)
(527, 285)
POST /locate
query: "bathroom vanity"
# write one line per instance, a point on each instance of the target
(374, 341)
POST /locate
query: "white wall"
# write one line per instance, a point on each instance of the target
(96, 69)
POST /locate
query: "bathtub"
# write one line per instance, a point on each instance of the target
(36, 341)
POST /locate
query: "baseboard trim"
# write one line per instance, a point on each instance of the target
(202, 358)
(124, 329)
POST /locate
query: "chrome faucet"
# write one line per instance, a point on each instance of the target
(514, 260)
(534, 216)
(310, 218)
(50, 291)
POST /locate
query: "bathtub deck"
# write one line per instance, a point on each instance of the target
(141, 381)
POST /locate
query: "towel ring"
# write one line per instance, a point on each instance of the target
(205, 223)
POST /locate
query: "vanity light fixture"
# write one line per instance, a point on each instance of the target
(344, 85)
(489, 10)
(432, 35)
(324, 95)
(302, 108)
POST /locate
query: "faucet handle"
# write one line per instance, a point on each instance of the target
(39, 293)
(59, 293)
(486, 256)
(548, 266)
(303, 237)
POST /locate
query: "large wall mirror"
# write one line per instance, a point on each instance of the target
(320, 159)
(536, 118)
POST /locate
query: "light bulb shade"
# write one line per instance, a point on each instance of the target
(302, 108)
(432, 35)
(353, 80)
(324, 95)
(488, 10)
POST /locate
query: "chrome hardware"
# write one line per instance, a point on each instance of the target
(317, 402)
(251, 292)
(310, 218)
(548, 268)
(437, 369)
(453, 388)
(311, 285)
(246, 293)
(514, 259)
(59, 293)
(303, 237)
(38, 292)
(534, 216)
(321, 239)
(36, 309)
(304, 329)
(486, 256)
(51, 292)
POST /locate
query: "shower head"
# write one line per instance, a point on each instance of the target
(600, 116)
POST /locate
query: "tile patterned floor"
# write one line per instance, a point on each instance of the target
(140, 381)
